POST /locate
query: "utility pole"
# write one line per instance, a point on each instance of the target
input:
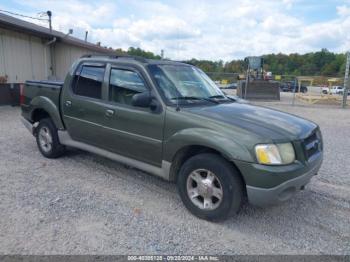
(86, 35)
(162, 54)
(294, 89)
(346, 80)
(52, 59)
(49, 14)
(246, 83)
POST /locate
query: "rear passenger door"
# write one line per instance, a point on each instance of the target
(82, 104)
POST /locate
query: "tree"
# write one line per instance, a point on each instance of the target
(139, 52)
(323, 63)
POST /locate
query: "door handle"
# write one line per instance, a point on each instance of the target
(109, 112)
(68, 103)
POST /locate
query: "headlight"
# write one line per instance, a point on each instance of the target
(275, 154)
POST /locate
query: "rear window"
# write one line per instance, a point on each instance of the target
(88, 81)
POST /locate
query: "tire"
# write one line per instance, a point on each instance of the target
(47, 139)
(223, 176)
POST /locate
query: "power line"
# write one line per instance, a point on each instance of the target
(12, 13)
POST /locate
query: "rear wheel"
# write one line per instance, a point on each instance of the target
(47, 139)
(210, 187)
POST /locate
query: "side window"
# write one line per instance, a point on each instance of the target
(123, 84)
(88, 81)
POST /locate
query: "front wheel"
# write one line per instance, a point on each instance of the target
(47, 139)
(210, 187)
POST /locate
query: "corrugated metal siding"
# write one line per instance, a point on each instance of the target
(2, 55)
(25, 57)
(22, 57)
(40, 57)
(65, 55)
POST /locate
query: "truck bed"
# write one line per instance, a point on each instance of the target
(39, 90)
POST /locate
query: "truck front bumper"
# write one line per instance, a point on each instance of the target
(269, 196)
(270, 185)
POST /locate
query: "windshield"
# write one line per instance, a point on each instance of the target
(185, 84)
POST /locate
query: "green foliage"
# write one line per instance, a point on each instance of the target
(322, 63)
(207, 65)
(137, 52)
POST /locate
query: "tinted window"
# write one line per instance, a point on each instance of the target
(124, 84)
(88, 81)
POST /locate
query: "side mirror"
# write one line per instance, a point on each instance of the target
(143, 99)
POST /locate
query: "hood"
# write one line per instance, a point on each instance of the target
(268, 123)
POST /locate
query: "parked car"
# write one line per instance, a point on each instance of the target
(335, 90)
(169, 119)
(291, 86)
(325, 90)
(229, 86)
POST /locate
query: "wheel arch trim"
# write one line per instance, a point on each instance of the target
(44, 103)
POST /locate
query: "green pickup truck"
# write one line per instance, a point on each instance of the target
(169, 119)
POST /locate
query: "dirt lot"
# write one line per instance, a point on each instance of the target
(82, 204)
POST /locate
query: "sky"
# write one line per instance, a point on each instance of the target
(212, 29)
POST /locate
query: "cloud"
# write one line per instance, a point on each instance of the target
(162, 27)
(288, 3)
(206, 29)
(343, 10)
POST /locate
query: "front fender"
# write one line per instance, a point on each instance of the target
(41, 102)
(227, 146)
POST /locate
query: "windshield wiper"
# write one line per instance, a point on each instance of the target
(221, 98)
(194, 98)
(218, 96)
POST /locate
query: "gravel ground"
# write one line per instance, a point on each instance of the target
(85, 204)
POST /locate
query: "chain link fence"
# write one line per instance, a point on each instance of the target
(294, 90)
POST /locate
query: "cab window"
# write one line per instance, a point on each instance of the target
(88, 81)
(123, 84)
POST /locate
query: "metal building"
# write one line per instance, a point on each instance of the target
(32, 52)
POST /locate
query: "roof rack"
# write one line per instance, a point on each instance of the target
(137, 58)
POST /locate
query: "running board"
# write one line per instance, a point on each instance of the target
(163, 172)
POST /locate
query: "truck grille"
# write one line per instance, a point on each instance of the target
(313, 144)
